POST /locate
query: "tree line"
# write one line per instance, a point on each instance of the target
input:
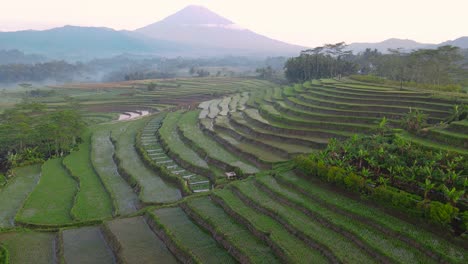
(30, 133)
(435, 67)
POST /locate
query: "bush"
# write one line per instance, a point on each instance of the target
(354, 182)
(322, 170)
(306, 165)
(441, 214)
(4, 258)
(336, 175)
(464, 218)
(3, 180)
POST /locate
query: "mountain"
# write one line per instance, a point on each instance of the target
(459, 42)
(71, 42)
(393, 43)
(198, 26)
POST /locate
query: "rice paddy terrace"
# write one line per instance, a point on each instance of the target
(154, 189)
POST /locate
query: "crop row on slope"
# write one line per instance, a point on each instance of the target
(351, 208)
(190, 238)
(234, 237)
(92, 200)
(14, 194)
(150, 186)
(208, 148)
(125, 201)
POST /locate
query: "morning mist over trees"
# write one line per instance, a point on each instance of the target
(233, 131)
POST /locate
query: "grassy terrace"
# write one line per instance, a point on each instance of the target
(297, 103)
(190, 237)
(239, 123)
(88, 240)
(136, 243)
(270, 112)
(288, 247)
(431, 144)
(255, 250)
(243, 148)
(124, 198)
(376, 243)
(92, 200)
(152, 187)
(281, 148)
(168, 134)
(13, 195)
(329, 240)
(52, 199)
(286, 109)
(448, 137)
(252, 116)
(393, 227)
(188, 124)
(369, 107)
(401, 101)
(165, 164)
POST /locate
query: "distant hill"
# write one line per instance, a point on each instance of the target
(392, 43)
(17, 57)
(405, 44)
(72, 42)
(196, 25)
(459, 42)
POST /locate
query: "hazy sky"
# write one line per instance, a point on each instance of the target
(305, 22)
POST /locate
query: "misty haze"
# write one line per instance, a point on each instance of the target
(233, 132)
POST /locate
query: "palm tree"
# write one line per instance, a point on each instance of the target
(428, 186)
(452, 195)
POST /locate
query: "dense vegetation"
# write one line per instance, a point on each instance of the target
(435, 69)
(29, 134)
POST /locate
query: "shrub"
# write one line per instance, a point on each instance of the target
(322, 170)
(336, 175)
(441, 214)
(464, 217)
(354, 182)
(306, 165)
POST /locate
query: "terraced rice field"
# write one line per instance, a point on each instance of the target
(125, 201)
(13, 195)
(136, 243)
(150, 186)
(127, 194)
(29, 246)
(85, 245)
(52, 200)
(190, 237)
(92, 200)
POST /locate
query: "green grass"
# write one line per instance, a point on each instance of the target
(184, 232)
(52, 199)
(294, 249)
(188, 124)
(239, 236)
(124, 198)
(429, 240)
(29, 247)
(283, 148)
(342, 248)
(138, 242)
(169, 135)
(12, 195)
(92, 201)
(264, 156)
(85, 245)
(375, 240)
(153, 188)
(431, 144)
